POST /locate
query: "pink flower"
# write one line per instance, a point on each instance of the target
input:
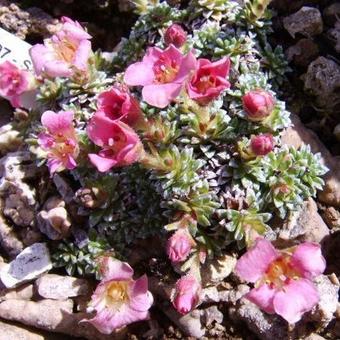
(209, 80)
(120, 144)
(262, 144)
(282, 279)
(179, 245)
(65, 53)
(14, 83)
(59, 140)
(119, 105)
(161, 73)
(175, 35)
(118, 299)
(187, 294)
(258, 104)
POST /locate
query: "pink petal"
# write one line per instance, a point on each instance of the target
(111, 319)
(221, 67)
(100, 128)
(101, 163)
(40, 54)
(57, 122)
(82, 55)
(189, 63)
(112, 269)
(263, 297)
(75, 31)
(297, 297)
(173, 53)
(71, 163)
(254, 263)
(160, 95)
(54, 165)
(141, 299)
(139, 74)
(45, 140)
(57, 68)
(308, 258)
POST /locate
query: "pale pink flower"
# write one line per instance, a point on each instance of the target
(120, 144)
(119, 105)
(119, 299)
(65, 53)
(262, 144)
(175, 35)
(283, 279)
(209, 80)
(258, 104)
(14, 83)
(179, 245)
(161, 73)
(187, 294)
(59, 140)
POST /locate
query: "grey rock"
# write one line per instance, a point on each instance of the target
(190, 323)
(322, 81)
(210, 294)
(53, 219)
(296, 136)
(314, 336)
(265, 326)
(331, 13)
(10, 138)
(212, 314)
(24, 292)
(57, 287)
(234, 295)
(53, 316)
(9, 331)
(324, 311)
(333, 36)
(28, 265)
(63, 188)
(218, 269)
(307, 21)
(305, 224)
(8, 239)
(303, 52)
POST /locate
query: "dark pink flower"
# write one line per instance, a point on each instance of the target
(258, 104)
(59, 140)
(187, 294)
(175, 35)
(209, 80)
(282, 279)
(119, 299)
(161, 73)
(14, 82)
(262, 144)
(120, 144)
(179, 245)
(65, 53)
(119, 105)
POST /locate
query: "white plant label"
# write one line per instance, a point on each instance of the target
(15, 50)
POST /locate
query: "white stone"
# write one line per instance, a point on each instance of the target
(28, 265)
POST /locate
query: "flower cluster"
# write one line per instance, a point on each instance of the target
(183, 133)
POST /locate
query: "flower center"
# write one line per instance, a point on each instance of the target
(117, 293)
(205, 83)
(165, 70)
(280, 272)
(65, 50)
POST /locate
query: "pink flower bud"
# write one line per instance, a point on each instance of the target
(187, 294)
(175, 35)
(258, 104)
(179, 246)
(262, 144)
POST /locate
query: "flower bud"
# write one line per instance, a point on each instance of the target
(187, 294)
(179, 246)
(262, 144)
(258, 104)
(175, 35)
